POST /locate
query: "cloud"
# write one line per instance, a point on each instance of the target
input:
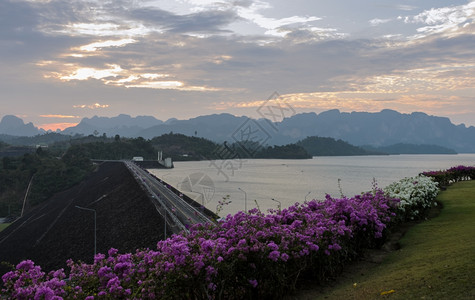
(210, 21)
(227, 17)
(115, 75)
(376, 22)
(59, 116)
(17, 20)
(406, 7)
(170, 85)
(92, 106)
(19, 39)
(443, 19)
(88, 73)
(308, 58)
(104, 44)
(102, 30)
(38, 1)
(273, 26)
(311, 34)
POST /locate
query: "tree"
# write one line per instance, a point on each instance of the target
(7, 163)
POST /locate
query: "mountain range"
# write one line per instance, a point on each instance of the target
(378, 129)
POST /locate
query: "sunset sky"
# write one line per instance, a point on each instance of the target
(64, 60)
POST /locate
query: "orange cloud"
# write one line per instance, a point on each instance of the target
(59, 116)
(55, 126)
(347, 101)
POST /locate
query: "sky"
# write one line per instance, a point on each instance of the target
(61, 61)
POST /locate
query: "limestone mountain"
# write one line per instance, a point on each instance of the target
(12, 125)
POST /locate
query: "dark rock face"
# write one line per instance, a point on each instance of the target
(57, 230)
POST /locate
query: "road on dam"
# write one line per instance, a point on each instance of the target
(179, 215)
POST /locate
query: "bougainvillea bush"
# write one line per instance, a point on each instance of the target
(247, 255)
(417, 194)
(454, 174)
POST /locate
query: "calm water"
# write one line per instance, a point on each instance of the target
(290, 181)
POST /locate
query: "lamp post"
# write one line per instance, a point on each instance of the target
(245, 199)
(26, 195)
(279, 206)
(165, 221)
(307, 195)
(95, 227)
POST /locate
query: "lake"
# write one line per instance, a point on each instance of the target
(268, 183)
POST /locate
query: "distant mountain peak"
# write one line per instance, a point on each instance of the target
(11, 121)
(330, 112)
(13, 125)
(122, 124)
(390, 111)
(171, 121)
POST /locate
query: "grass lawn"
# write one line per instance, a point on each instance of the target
(3, 226)
(436, 259)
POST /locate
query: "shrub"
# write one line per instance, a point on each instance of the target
(416, 194)
(454, 174)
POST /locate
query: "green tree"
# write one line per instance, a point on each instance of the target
(51, 175)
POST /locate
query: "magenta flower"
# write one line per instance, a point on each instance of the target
(253, 282)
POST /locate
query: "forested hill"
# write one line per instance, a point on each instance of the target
(48, 174)
(402, 148)
(180, 148)
(325, 146)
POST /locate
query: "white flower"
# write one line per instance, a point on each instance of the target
(414, 192)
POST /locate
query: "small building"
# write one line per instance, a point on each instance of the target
(168, 163)
(137, 158)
